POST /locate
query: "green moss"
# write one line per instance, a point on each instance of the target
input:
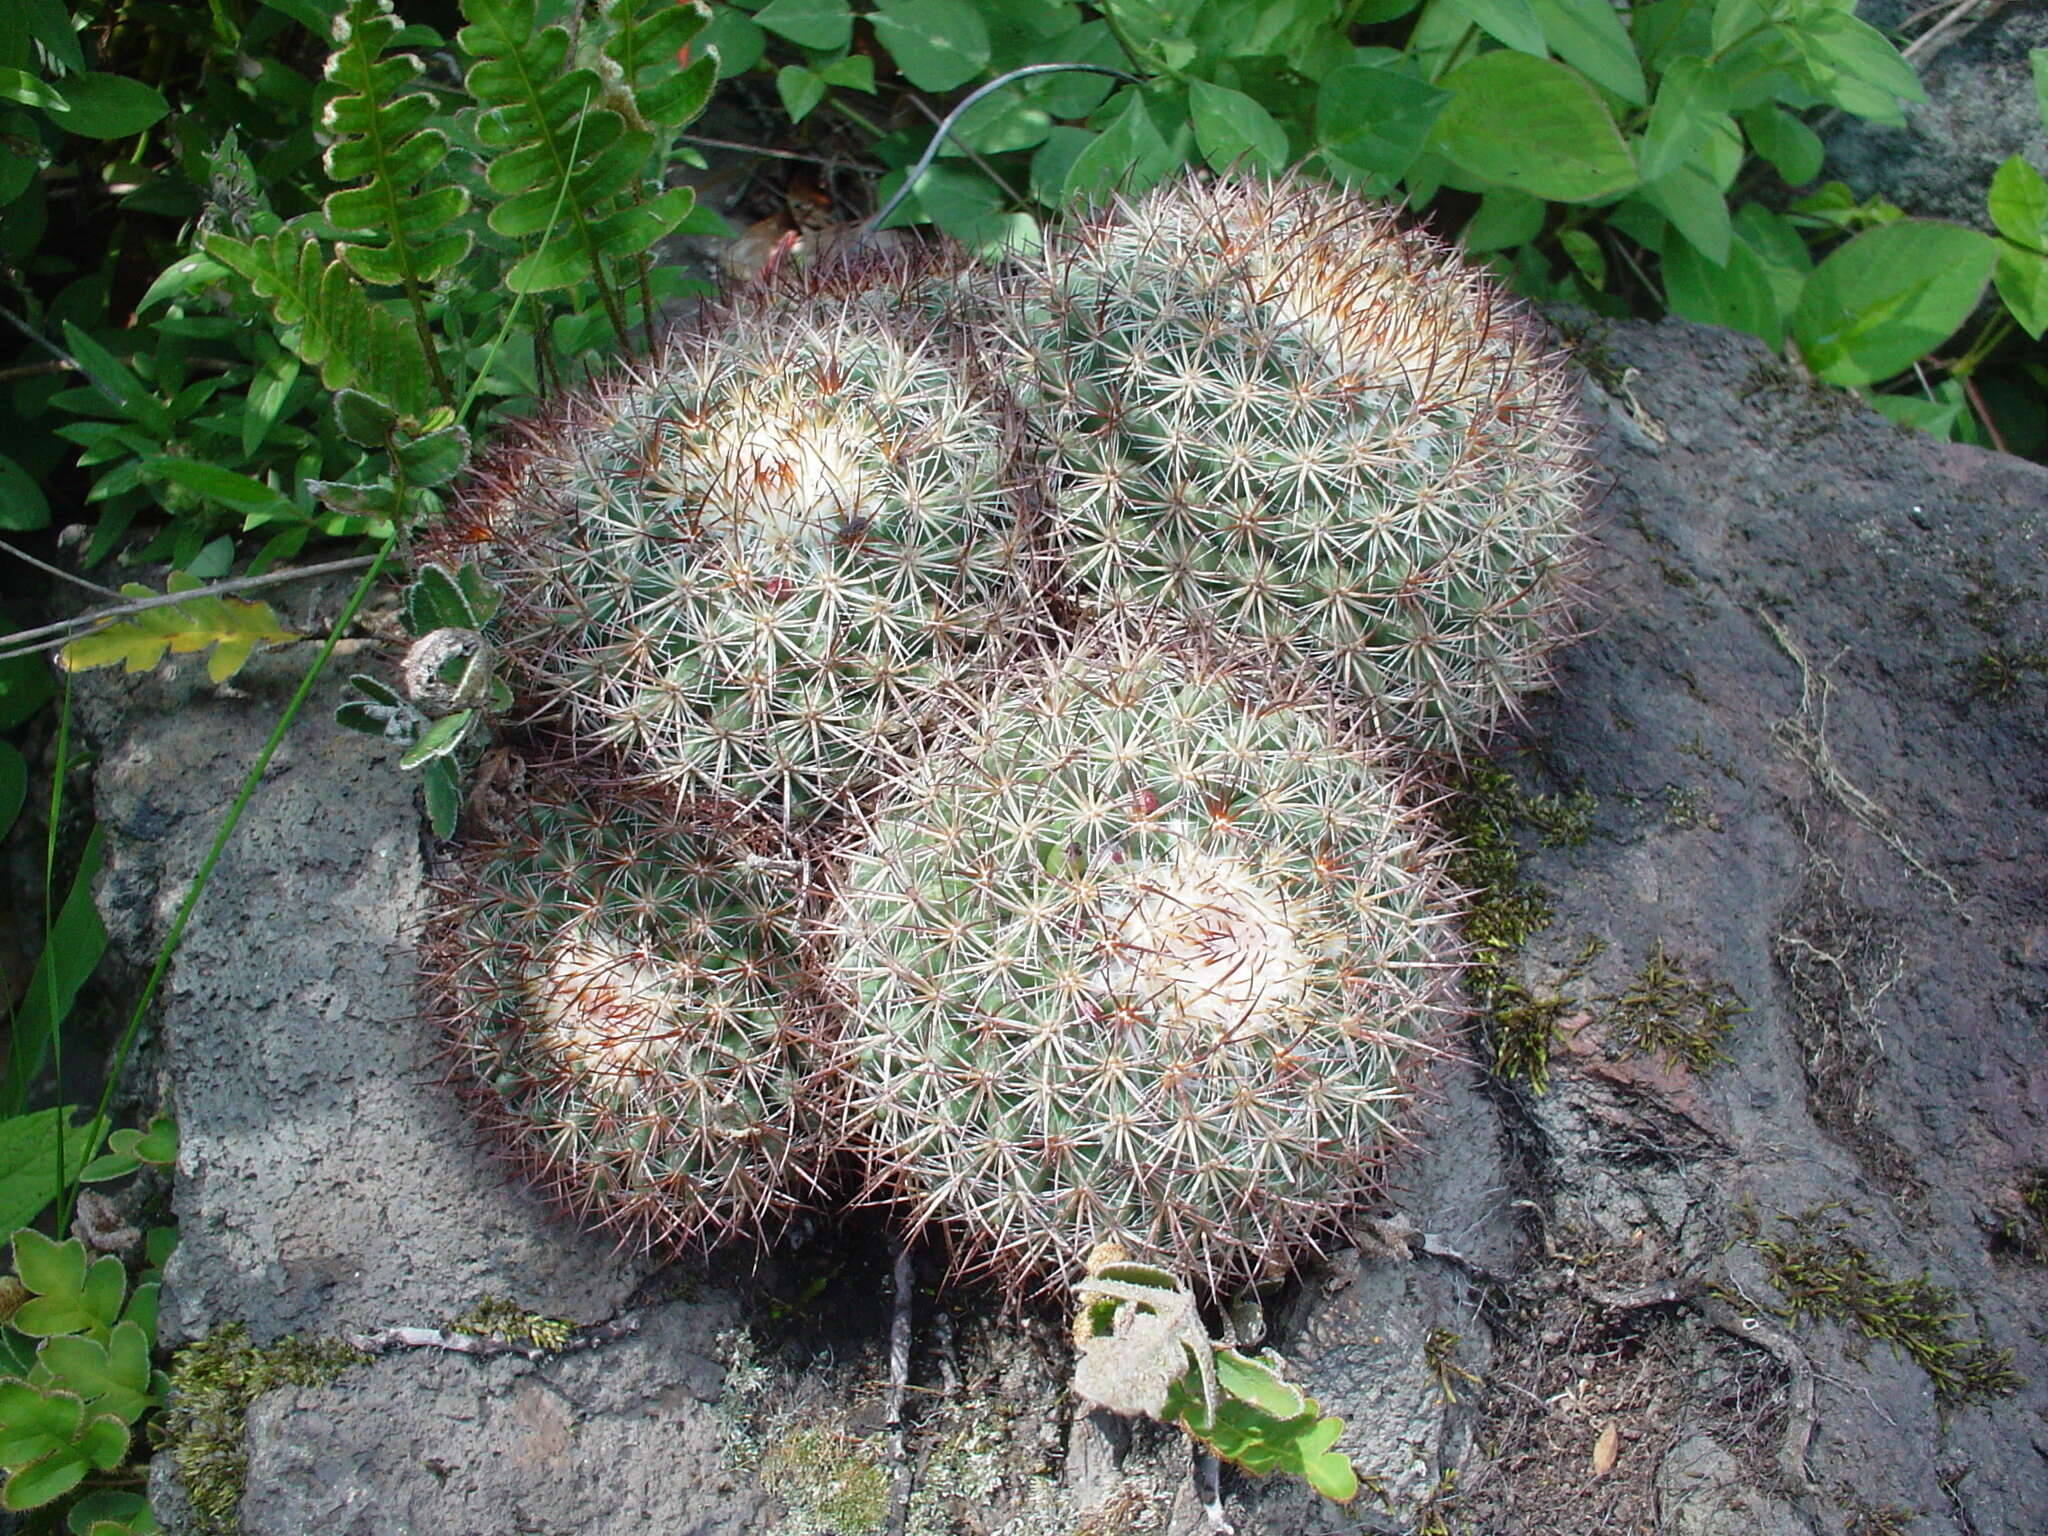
(1505, 911)
(831, 1481)
(496, 1318)
(1999, 672)
(1823, 1274)
(1666, 1012)
(1440, 1359)
(213, 1383)
(2024, 1227)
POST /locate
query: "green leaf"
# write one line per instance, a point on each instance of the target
(1127, 156)
(800, 89)
(1585, 254)
(1889, 297)
(1737, 293)
(1696, 209)
(230, 489)
(439, 740)
(1589, 36)
(48, 1267)
(29, 1177)
(2022, 281)
(1937, 418)
(1375, 117)
(1691, 104)
(44, 1480)
(1504, 218)
(112, 1377)
(100, 106)
(1512, 21)
(434, 458)
(23, 506)
(1534, 125)
(2018, 204)
(329, 319)
(436, 600)
(826, 25)
(1231, 128)
(1793, 149)
(734, 40)
(1857, 68)
(69, 955)
(394, 228)
(661, 48)
(938, 44)
(442, 788)
(19, 85)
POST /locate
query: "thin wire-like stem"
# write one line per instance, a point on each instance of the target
(98, 1128)
(27, 642)
(945, 128)
(57, 571)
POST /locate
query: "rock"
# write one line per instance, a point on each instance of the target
(1811, 720)
(1702, 1492)
(618, 1441)
(1980, 110)
(326, 1180)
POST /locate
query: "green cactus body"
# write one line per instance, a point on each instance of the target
(1135, 960)
(620, 998)
(1268, 406)
(751, 566)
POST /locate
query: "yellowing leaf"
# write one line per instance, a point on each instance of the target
(234, 627)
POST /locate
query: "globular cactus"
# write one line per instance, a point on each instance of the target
(1142, 956)
(749, 566)
(1268, 406)
(621, 995)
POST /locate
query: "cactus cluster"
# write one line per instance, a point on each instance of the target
(750, 566)
(1085, 627)
(622, 993)
(1272, 408)
(1133, 958)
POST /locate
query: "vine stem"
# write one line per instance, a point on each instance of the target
(97, 1130)
(945, 128)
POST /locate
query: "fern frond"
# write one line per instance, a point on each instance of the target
(335, 326)
(569, 168)
(394, 229)
(647, 42)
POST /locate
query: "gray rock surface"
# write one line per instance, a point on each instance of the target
(1816, 751)
(1701, 1491)
(325, 1180)
(614, 1442)
(1980, 109)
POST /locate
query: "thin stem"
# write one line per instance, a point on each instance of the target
(28, 641)
(939, 134)
(973, 154)
(50, 929)
(97, 1130)
(830, 162)
(57, 570)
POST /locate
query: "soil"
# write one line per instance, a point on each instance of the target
(1753, 1268)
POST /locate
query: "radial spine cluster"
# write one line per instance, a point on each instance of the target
(1268, 406)
(752, 566)
(1134, 959)
(623, 998)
